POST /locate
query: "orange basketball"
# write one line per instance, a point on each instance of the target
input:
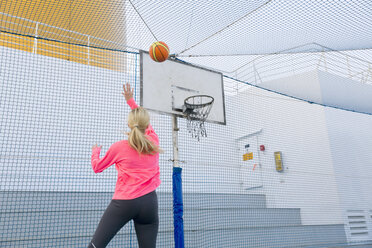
(159, 51)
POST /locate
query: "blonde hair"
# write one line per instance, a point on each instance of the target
(138, 121)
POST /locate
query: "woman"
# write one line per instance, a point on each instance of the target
(137, 163)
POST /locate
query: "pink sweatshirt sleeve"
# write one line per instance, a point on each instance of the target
(149, 130)
(132, 103)
(100, 164)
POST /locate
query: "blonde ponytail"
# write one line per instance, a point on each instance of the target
(138, 121)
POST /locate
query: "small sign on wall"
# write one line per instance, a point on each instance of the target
(278, 161)
(248, 156)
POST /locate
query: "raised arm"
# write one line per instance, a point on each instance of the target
(128, 94)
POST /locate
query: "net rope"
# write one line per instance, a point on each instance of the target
(62, 67)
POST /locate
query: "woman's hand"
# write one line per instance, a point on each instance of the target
(95, 146)
(128, 92)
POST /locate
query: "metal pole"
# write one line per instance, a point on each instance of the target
(35, 39)
(175, 141)
(177, 190)
(88, 49)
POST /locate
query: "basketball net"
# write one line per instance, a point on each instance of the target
(196, 111)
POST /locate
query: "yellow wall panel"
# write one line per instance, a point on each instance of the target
(71, 22)
(17, 42)
(99, 18)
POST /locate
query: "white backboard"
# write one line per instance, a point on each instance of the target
(165, 86)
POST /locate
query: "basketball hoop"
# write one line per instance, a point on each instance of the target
(196, 110)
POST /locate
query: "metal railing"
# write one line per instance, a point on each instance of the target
(269, 67)
(41, 38)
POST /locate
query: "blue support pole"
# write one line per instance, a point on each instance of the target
(177, 191)
(178, 208)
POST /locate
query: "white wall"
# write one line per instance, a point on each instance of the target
(351, 143)
(53, 111)
(327, 148)
(299, 131)
(327, 151)
(350, 136)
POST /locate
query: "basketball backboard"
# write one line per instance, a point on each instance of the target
(165, 86)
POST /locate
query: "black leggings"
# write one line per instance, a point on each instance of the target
(142, 210)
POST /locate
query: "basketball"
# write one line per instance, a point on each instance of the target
(159, 51)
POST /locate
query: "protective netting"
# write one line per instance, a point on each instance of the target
(254, 27)
(62, 66)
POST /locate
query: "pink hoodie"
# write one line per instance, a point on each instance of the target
(138, 174)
